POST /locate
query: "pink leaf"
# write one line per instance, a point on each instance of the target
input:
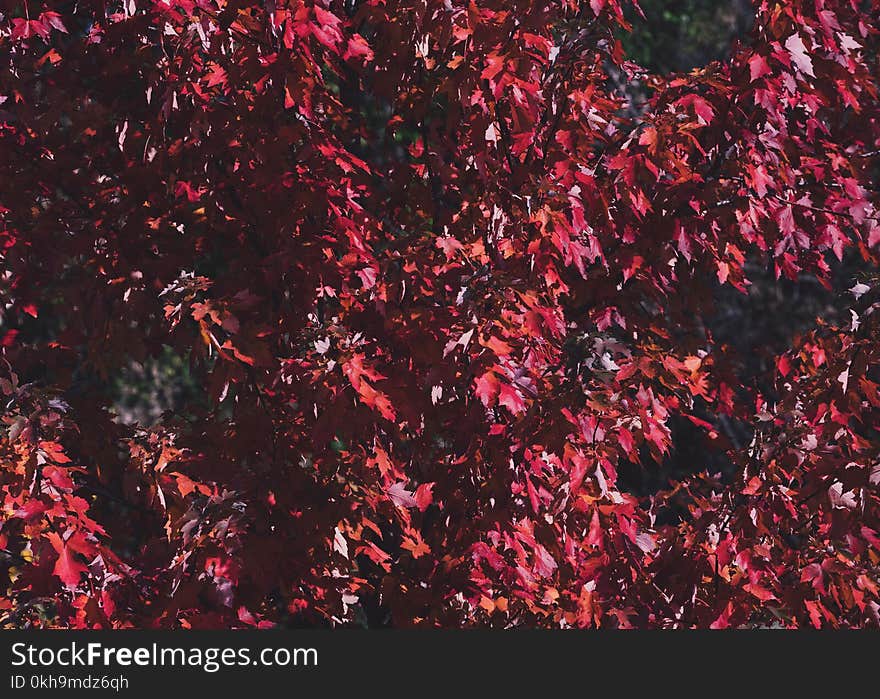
(799, 55)
(758, 67)
(400, 496)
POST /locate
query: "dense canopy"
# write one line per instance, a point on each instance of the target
(442, 278)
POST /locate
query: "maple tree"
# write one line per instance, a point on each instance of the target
(442, 285)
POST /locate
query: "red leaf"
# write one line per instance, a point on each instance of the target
(58, 477)
(8, 339)
(31, 510)
(783, 365)
(415, 544)
(814, 610)
(578, 470)
(758, 67)
(54, 19)
(68, 569)
(400, 496)
(55, 452)
(533, 495)
(424, 496)
(595, 536)
(216, 76)
(723, 620)
(487, 388)
(625, 439)
(871, 537)
(762, 593)
(545, 564)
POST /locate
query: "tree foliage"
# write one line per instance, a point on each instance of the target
(443, 289)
